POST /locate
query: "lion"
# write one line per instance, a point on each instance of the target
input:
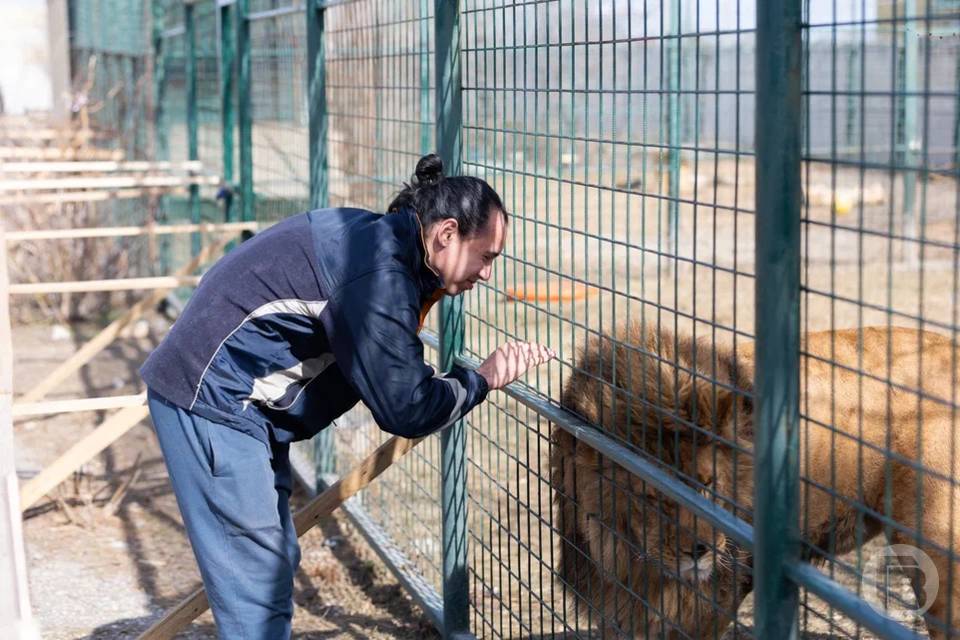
(646, 567)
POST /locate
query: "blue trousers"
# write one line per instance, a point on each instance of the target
(233, 492)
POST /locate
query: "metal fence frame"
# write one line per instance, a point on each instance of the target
(779, 571)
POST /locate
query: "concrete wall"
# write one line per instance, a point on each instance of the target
(25, 78)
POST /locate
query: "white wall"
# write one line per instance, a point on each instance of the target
(24, 66)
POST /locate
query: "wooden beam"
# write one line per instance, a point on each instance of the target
(103, 339)
(41, 119)
(89, 286)
(22, 410)
(323, 505)
(103, 166)
(110, 182)
(45, 133)
(55, 153)
(116, 232)
(101, 195)
(14, 595)
(82, 451)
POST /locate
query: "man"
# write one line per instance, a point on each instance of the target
(285, 334)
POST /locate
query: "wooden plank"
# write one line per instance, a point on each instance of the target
(305, 519)
(98, 195)
(15, 615)
(101, 166)
(35, 119)
(46, 133)
(82, 451)
(116, 232)
(103, 339)
(89, 286)
(109, 182)
(56, 153)
(22, 410)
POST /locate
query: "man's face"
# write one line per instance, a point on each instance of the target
(462, 262)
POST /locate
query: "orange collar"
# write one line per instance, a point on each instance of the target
(425, 309)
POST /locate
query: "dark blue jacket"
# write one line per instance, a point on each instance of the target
(293, 327)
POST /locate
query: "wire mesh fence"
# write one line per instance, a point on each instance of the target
(625, 138)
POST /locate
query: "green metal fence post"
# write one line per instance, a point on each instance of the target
(853, 82)
(324, 451)
(909, 139)
(424, 77)
(161, 146)
(244, 113)
(317, 99)
(227, 116)
(672, 42)
(956, 116)
(776, 466)
(453, 469)
(193, 152)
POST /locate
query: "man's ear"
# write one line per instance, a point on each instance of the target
(447, 230)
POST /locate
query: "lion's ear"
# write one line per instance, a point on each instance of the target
(706, 404)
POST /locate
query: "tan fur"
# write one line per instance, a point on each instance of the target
(626, 550)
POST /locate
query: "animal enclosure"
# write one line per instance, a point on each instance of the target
(724, 176)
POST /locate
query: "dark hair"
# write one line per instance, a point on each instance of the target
(434, 197)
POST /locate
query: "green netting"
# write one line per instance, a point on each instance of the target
(109, 57)
(279, 116)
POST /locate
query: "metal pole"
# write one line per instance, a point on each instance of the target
(853, 82)
(453, 469)
(776, 467)
(424, 77)
(228, 39)
(317, 97)
(192, 132)
(956, 116)
(245, 113)
(161, 142)
(910, 139)
(161, 147)
(672, 27)
(324, 450)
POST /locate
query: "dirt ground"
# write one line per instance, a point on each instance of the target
(105, 564)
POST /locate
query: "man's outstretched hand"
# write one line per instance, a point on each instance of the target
(511, 360)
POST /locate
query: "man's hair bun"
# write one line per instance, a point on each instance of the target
(434, 197)
(429, 170)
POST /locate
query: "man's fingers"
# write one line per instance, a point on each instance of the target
(534, 354)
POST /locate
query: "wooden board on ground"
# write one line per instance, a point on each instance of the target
(61, 468)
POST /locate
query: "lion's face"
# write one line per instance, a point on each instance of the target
(685, 547)
(651, 551)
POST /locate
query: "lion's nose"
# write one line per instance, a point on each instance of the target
(699, 550)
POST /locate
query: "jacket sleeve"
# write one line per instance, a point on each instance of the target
(371, 324)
